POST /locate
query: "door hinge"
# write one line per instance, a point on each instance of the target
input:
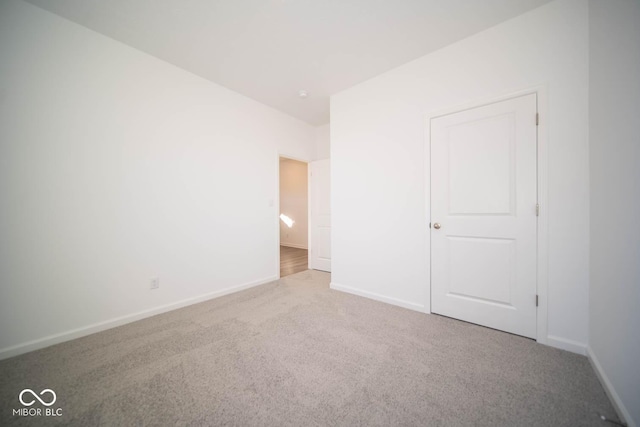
(429, 225)
(536, 300)
(537, 209)
(537, 119)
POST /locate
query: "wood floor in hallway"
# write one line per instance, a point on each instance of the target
(293, 260)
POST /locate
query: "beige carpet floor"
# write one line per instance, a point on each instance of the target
(295, 353)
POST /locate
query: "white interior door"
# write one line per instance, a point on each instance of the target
(320, 218)
(483, 213)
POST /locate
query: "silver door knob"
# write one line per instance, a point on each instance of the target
(436, 226)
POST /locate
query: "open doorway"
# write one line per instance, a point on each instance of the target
(293, 211)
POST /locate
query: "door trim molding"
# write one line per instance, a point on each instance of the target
(542, 180)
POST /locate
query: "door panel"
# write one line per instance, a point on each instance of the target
(481, 175)
(492, 259)
(320, 229)
(483, 197)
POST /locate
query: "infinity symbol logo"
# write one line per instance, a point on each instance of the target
(46, 390)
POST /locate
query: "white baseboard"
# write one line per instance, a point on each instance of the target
(565, 344)
(293, 245)
(377, 297)
(122, 320)
(622, 411)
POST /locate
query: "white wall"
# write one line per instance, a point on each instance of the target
(323, 142)
(116, 167)
(614, 108)
(294, 202)
(380, 214)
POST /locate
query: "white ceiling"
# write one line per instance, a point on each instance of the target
(268, 50)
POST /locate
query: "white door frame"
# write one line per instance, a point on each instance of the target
(542, 169)
(284, 155)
